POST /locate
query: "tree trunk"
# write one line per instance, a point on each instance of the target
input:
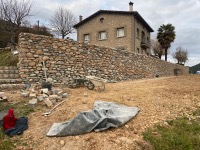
(63, 36)
(165, 54)
(159, 56)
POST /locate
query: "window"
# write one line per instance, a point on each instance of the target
(102, 35)
(101, 20)
(143, 37)
(86, 38)
(138, 50)
(138, 33)
(120, 32)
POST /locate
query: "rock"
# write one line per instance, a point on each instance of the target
(3, 99)
(29, 55)
(40, 98)
(32, 95)
(39, 52)
(31, 64)
(32, 103)
(45, 95)
(45, 58)
(45, 90)
(56, 91)
(85, 94)
(53, 97)
(49, 92)
(62, 142)
(166, 123)
(65, 95)
(53, 101)
(2, 94)
(60, 92)
(59, 98)
(49, 80)
(48, 102)
(25, 94)
(84, 102)
(127, 126)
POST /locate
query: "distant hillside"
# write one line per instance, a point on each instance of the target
(6, 28)
(195, 68)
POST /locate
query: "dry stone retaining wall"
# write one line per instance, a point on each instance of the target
(68, 59)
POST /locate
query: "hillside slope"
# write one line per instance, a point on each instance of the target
(195, 68)
(159, 99)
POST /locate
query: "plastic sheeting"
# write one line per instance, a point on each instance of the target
(103, 116)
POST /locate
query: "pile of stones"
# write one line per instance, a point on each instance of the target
(49, 97)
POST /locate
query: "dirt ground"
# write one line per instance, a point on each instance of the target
(159, 99)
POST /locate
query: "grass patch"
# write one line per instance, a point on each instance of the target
(20, 109)
(8, 59)
(180, 134)
(5, 142)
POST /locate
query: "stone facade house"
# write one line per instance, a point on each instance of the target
(125, 30)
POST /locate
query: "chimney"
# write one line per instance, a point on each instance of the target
(80, 18)
(131, 6)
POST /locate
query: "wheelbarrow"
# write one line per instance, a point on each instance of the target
(82, 82)
(97, 82)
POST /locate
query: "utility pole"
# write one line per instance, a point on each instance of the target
(38, 23)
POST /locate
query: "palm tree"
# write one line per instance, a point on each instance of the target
(165, 36)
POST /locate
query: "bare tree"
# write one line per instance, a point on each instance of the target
(181, 55)
(62, 21)
(12, 15)
(157, 48)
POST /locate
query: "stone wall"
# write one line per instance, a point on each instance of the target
(67, 59)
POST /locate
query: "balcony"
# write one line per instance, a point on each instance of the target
(145, 44)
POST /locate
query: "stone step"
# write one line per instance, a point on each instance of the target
(8, 68)
(10, 81)
(14, 71)
(9, 76)
(12, 86)
(9, 72)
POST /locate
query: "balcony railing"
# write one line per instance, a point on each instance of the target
(145, 44)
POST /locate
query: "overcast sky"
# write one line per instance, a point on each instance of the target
(183, 14)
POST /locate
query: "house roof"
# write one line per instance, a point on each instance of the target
(134, 13)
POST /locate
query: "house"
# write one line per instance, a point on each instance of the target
(125, 30)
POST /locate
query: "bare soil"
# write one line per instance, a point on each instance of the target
(159, 99)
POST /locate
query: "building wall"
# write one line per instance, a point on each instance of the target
(66, 59)
(138, 39)
(110, 23)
